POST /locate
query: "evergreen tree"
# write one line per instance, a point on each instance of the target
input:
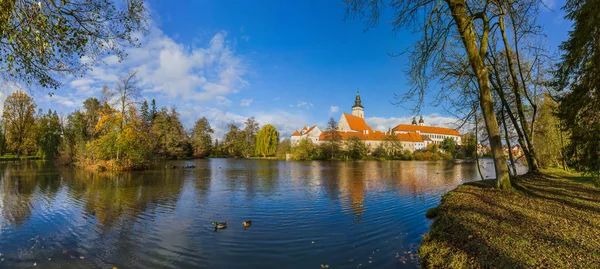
(153, 110)
(579, 76)
(145, 113)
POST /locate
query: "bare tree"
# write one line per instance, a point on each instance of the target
(128, 94)
(449, 28)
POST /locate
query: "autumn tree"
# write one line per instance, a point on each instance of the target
(267, 140)
(40, 41)
(284, 148)
(19, 121)
(201, 137)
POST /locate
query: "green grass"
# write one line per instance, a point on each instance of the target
(550, 220)
(14, 157)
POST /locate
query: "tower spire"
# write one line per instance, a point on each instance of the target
(357, 108)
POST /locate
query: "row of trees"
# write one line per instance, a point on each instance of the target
(120, 131)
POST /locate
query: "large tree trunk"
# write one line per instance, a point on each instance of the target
(464, 23)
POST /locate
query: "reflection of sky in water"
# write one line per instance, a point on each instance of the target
(355, 212)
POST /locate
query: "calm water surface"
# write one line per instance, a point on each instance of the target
(369, 214)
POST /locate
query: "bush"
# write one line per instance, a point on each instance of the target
(432, 212)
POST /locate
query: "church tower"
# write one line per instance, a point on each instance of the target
(357, 108)
(421, 121)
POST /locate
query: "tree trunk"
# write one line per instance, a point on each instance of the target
(532, 160)
(464, 23)
(510, 155)
(476, 145)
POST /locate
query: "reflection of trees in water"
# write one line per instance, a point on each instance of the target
(203, 181)
(21, 183)
(266, 174)
(110, 197)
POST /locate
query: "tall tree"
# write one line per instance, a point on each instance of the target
(44, 40)
(234, 142)
(579, 79)
(267, 140)
(451, 29)
(201, 137)
(250, 131)
(2, 140)
(332, 137)
(19, 120)
(91, 108)
(49, 134)
(145, 113)
(128, 93)
(549, 136)
(153, 110)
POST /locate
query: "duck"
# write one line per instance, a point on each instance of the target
(219, 225)
(247, 223)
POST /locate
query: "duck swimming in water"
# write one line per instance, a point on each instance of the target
(247, 223)
(219, 225)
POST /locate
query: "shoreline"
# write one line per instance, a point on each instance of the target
(548, 220)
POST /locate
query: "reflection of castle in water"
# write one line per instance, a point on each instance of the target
(350, 182)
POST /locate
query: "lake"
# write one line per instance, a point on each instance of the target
(365, 214)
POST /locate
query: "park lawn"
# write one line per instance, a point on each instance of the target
(549, 220)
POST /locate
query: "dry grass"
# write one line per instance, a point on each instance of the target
(547, 221)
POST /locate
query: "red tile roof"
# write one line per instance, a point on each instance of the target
(426, 129)
(296, 133)
(356, 123)
(304, 128)
(371, 136)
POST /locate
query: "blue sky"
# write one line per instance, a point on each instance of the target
(289, 63)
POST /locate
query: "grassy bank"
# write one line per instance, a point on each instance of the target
(15, 158)
(547, 221)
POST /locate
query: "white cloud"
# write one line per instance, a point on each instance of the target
(223, 101)
(245, 102)
(172, 70)
(304, 104)
(334, 109)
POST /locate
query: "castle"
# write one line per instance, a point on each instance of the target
(412, 136)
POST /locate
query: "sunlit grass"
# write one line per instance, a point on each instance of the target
(547, 221)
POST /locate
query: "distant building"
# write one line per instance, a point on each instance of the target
(434, 134)
(311, 133)
(412, 137)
